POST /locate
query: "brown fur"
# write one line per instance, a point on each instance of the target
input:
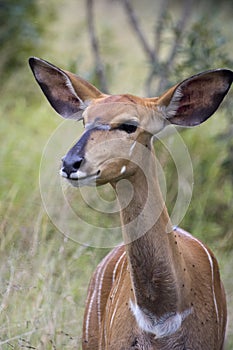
(162, 289)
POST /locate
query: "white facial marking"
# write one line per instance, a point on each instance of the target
(159, 326)
(123, 169)
(78, 175)
(84, 181)
(132, 148)
(74, 175)
(100, 126)
(63, 173)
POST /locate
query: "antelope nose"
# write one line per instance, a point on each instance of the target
(71, 165)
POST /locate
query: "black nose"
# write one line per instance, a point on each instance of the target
(71, 164)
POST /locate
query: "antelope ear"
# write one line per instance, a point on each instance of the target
(67, 93)
(195, 99)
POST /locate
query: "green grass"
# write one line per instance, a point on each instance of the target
(43, 275)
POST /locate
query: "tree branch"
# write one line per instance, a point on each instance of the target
(99, 66)
(180, 27)
(178, 37)
(160, 24)
(138, 31)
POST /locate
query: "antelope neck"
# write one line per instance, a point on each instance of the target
(149, 241)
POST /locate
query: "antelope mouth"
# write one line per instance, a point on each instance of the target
(80, 178)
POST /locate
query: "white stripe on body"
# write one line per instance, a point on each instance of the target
(101, 269)
(116, 267)
(116, 287)
(89, 314)
(114, 291)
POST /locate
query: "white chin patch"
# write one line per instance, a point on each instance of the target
(85, 181)
(75, 176)
(79, 178)
(78, 175)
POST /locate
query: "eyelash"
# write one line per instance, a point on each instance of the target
(129, 128)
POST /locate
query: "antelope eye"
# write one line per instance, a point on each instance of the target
(129, 128)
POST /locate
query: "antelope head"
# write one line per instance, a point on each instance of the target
(115, 124)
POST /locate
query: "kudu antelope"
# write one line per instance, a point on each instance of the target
(161, 289)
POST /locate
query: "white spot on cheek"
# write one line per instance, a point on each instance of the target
(123, 169)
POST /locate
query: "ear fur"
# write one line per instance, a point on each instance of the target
(195, 99)
(67, 93)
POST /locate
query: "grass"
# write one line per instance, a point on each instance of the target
(43, 273)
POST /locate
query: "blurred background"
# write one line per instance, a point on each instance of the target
(140, 47)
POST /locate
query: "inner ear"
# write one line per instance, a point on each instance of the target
(195, 99)
(67, 93)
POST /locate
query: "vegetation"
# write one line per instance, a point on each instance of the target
(44, 273)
